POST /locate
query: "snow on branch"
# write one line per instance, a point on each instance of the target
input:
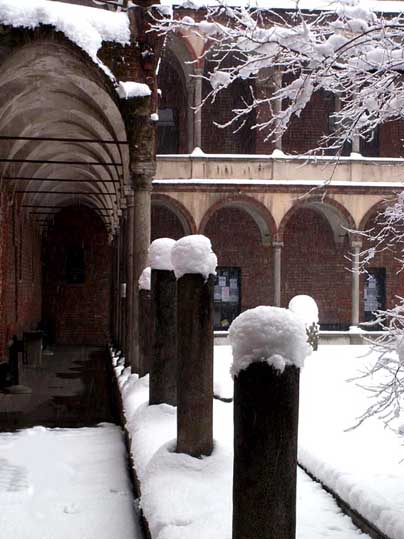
(348, 50)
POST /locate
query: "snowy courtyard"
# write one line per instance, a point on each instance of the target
(63, 483)
(188, 498)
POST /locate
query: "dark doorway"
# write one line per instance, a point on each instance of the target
(77, 265)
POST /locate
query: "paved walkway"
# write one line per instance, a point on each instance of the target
(72, 388)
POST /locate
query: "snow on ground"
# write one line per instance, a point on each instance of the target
(364, 465)
(188, 498)
(64, 483)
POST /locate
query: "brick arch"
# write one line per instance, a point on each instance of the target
(313, 263)
(338, 217)
(180, 212)
(241, 233)
(371, 212)
(260, 214)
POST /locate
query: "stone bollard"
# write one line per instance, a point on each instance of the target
(145, 322)
(163, 367)
(195, 365)
(269, 346)
(194, 264)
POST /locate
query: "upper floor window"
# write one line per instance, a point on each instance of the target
(167, 131)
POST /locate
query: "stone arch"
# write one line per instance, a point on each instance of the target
(241, 231)
(175, 79)
(314, 261)
(338, 217)
(182, 216)
(260, 214)
(371, 212)
(239, 138)
(51, 89)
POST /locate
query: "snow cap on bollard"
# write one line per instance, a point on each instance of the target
(268, 334)
(193, 254)
(160, 254)
(144, 279)
(305, 307)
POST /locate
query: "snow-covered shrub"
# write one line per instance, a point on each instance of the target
(306, 308)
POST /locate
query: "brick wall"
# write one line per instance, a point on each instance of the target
(20, 273)
(217, 140)
(236, 240)
(79, 313)
(313, 264)
(165, 224)
(305, 132)
(387, 259)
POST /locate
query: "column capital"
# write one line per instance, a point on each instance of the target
(276, 244)
(356, 242)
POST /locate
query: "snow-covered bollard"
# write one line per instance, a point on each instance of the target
(163, 368)
(145, 329)
(306, 308)
(269, 346)
(194, 265)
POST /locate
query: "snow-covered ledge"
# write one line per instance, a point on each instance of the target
(237, 169)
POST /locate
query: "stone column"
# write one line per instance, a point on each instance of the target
(356, 144)
(356, 247)
(141, 144)
(198, 111)
(130, 282)
(277, 257)
(266, 84)
(190, 114)
(142, 219)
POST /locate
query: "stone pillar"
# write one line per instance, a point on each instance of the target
(356, 144)
(198, 111)
(145, 332)
(4, 223)
(266, 83)
(190, 114)
(277, 257)
(141, 144)
(118, 292)
(122, 291)
(266, 408)
(195, 365)
(130, 282)
(142, 200)
(163, 369)
(356, 247)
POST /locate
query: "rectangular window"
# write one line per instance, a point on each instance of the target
(167, 132)
(227, 297)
